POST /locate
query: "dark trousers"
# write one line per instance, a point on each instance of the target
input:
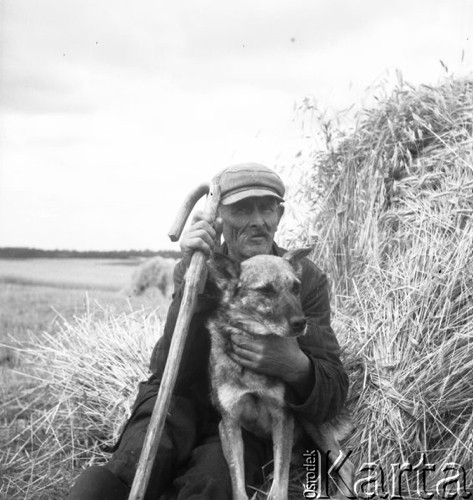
(189, 463)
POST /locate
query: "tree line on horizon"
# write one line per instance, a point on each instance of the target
(36, 253)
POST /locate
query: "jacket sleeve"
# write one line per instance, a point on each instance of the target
(330, 381)
(193, 367)
(160, 351)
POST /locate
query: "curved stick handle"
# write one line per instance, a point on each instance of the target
(196, 275)
(186, 208)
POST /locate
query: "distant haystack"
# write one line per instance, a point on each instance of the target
(154, 273)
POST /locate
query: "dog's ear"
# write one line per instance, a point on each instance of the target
(294, 256)
(223, 270)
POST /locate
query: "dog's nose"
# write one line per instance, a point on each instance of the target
(297, 323)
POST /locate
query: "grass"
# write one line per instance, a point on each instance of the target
(90, 274)
(39, 307)
(76, 389)
(36, 292)
(56, 316)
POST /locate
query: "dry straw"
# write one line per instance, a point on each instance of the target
(393, 219)
(75, 397)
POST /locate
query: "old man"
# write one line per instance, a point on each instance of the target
(190, 462)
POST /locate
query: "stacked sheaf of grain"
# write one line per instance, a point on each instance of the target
(395, 234)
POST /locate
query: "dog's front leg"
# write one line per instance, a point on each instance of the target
(232, 445)
(283, 435)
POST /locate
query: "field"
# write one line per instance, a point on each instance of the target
(35, 292)
(100, 274)
(44, 301)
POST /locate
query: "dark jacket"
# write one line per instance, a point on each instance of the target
(330, 382)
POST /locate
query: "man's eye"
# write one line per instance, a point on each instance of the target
(241, 211)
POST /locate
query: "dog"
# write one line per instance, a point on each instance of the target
(260, 296)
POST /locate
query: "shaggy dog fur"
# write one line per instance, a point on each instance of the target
(261, 296)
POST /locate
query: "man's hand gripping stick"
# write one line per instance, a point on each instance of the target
(195, 276)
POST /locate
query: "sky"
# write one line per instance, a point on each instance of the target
(112, 111)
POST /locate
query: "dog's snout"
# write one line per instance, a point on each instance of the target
(297, 323)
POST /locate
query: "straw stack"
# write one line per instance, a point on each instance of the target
(395, 234)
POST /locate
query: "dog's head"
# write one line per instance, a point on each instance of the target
(262, 294)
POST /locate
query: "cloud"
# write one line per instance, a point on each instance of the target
(54, 51)
(112, 111)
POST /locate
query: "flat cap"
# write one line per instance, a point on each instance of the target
(245, 180)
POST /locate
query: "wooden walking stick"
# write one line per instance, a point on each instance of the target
(195, 276)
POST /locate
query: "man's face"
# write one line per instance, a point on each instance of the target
(249, 226)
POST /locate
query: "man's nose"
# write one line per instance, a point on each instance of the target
(256, 218)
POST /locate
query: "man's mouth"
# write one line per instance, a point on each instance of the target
(259, 236)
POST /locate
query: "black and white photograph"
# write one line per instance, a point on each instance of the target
(236, 250)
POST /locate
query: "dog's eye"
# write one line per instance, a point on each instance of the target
(267, 289)
(296, 288)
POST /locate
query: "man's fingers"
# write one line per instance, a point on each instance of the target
(201, 234)
(240, 344)
(249, 344)
(200, 215)
(202, 225)
(202, 219)
(199, 244)
(242, 357)
(240, 351)
(245, 352)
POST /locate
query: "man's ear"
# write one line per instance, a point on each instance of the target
(223, 270)
(294, 256)
(280, 211)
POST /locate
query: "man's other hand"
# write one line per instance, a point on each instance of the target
(200, 235)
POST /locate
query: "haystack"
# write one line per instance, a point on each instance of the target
(154, 273)
(395, 234)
